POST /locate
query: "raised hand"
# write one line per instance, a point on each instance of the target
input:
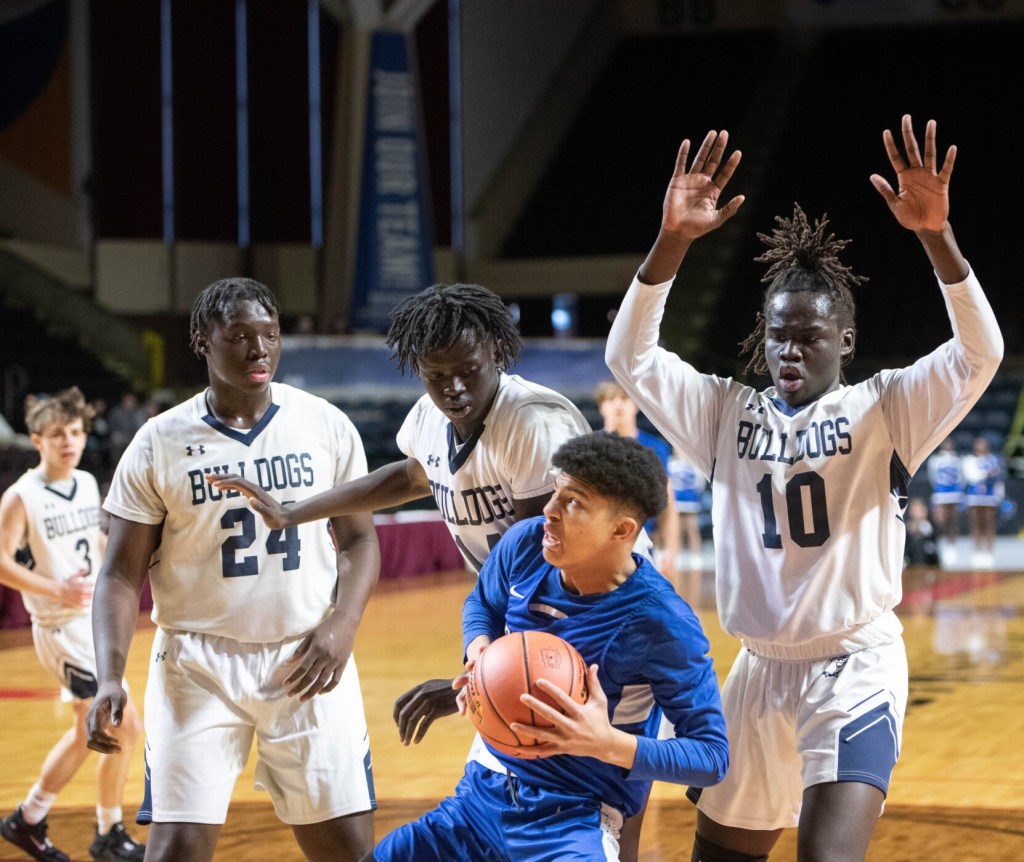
(921, 202)
(273, 513)
(691, 206)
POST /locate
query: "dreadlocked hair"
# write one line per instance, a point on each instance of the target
(217, 300)
(801, 258)
(62, 408)
(443, 314)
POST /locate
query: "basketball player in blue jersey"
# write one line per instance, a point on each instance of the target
(809, 485)
(255, 627)
(573, 572)
(52, 515)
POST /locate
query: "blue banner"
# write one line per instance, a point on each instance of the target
(395, 256)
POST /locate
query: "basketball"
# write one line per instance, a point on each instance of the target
(510, 667)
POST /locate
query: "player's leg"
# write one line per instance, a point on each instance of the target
(112, 769)
(629, 836)
(849, 733)
(198, 738)
(342, 839)
(741, 818)
(27, 826)
(314, 761)
(466, 825)
(112, 841)
(837, 821)
(716, 842)
(173, 842)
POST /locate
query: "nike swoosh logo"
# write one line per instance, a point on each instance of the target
(512, 591)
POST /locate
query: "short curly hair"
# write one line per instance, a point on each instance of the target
(619, 468)
(219, 298)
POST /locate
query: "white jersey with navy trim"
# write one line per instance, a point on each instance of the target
(808, 505)
(510, 459)
(219, 569)
(62, 536)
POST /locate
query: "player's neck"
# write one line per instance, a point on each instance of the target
(599, 576)
(57, 472)
(623, 429)
(238, 409)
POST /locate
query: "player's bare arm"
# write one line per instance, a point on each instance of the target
(921, 201)
(690, 208)
(75, 591)
(387, 486)
(324, 652)
(115, 612)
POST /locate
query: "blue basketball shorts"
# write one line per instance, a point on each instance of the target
(496, 818)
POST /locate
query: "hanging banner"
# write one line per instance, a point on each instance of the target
(395, 255)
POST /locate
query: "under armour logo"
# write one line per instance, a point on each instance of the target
(160, 656)
(192, 450)
(754, 408)
(433, 460)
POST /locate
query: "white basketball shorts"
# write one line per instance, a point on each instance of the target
(208, 697)
(66, 651)
(795, 724)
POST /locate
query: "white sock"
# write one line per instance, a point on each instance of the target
(37, 804)
(107, 817)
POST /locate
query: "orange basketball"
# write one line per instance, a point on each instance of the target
(510, 667)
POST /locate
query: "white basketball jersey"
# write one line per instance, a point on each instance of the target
(63, 536)
(808, 505)
(475, 484)
(219, 569)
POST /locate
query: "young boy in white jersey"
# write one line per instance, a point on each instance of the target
(255, 626)
(52, 514)
(809, 485)
(480, 442)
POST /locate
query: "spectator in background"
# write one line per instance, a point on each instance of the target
(984, 475)
(921, 548)
(126, 417)
(619, 415)
(688, 486)
(945, 472)
(97, 446)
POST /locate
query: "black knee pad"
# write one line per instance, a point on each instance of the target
(707, 851)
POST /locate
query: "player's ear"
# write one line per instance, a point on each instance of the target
(625, 529)
(847, 340)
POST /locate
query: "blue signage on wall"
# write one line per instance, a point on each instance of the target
(395, 256)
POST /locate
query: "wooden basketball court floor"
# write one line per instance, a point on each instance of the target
(957, 792)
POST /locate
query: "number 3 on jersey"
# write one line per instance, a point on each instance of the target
(809, 486)
(285, 542)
